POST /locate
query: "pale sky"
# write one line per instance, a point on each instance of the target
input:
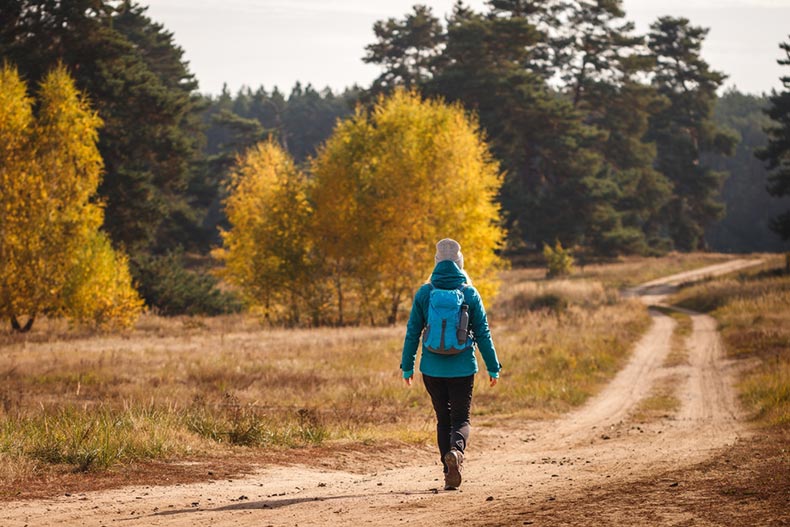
(322, 42)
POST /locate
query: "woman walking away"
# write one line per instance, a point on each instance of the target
(449, 314)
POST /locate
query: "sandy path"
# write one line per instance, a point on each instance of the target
(509, 471)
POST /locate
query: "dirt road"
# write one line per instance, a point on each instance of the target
(513, 471)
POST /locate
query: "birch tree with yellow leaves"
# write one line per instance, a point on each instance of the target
(52, 252)
(267, 249)
(349, 244)
(391, 182)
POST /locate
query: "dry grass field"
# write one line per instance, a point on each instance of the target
(753, 311)
(196, 388)
(632, 270)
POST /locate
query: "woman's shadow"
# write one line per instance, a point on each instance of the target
(285, 502)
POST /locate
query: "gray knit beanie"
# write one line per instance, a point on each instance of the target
(449, 249)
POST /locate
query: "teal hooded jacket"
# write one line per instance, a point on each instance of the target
(447, 275)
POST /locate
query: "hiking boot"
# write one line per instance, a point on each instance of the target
(454, 461)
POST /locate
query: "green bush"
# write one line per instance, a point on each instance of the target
(90, 440)
(551, 302)
(246, 425)
(172, 289)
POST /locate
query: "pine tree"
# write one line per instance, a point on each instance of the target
(158, 136)
(598, 48)
(777, 153)
(409, 50)
(495, 67)
(750, 208)
(601, 62)
(684, 130)
(525, 27)
(140, 85)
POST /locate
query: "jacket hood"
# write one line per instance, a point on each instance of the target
(447, 275)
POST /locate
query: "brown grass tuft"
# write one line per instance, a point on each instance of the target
(753, 310)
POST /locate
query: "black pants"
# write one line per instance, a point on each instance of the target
(452, 401)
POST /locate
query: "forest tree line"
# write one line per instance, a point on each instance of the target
(609, 141)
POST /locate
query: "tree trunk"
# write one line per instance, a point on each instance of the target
(339, 288)
(16, 326)
(294, 307)
(393, 318)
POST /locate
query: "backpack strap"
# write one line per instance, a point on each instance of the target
(460, 288)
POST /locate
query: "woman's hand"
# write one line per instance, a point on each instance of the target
(407, 380)
(492, 381)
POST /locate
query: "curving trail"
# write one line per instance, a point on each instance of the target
(510, 472)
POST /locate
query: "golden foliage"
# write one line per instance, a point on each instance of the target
(266, 250)
(384, 188)
(19, 217)
(99, 288)
(50, 169)
(389, 184)
(559, 261)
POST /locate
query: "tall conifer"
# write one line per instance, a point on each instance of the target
(684, 130)
(777, 153)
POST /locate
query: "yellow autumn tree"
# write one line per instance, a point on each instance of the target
(266, 251)
(19, 218)
(98, 290)
(391, 182)
(50, 169)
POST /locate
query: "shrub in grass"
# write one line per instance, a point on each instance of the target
(172, 289)
(246, 425)
(555, 296)
(768, 393)
(310, 428)
(559, 261)
(550, 301)
(87, 440)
